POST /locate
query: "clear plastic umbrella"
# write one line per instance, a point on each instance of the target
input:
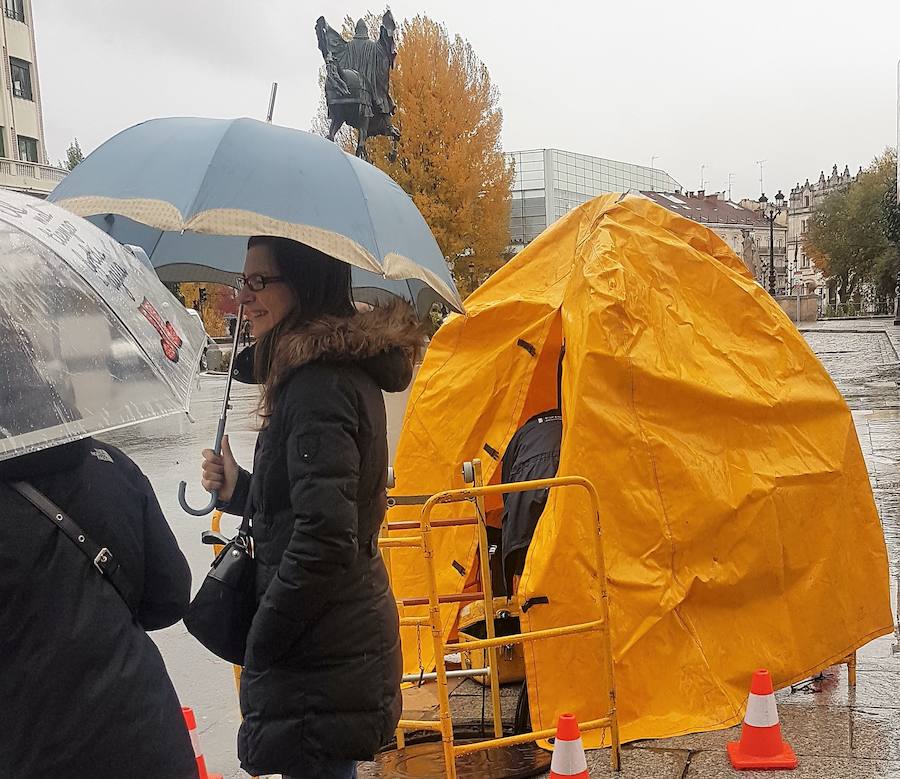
(90, 339)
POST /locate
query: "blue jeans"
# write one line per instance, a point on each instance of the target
(328, 769)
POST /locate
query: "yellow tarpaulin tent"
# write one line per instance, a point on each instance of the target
(738, 521)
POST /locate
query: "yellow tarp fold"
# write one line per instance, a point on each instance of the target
(739, 525)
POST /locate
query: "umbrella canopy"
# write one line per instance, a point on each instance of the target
(90, 339)
(739, 526)
(191, 191)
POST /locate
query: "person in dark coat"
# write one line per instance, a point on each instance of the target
(533, 453)
(320, 688)
(83, 688)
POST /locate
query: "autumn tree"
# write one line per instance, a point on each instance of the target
(850, 235)
(211, 301)
(449, 158)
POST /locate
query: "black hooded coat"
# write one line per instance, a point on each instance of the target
(83, 689)
(321, 676)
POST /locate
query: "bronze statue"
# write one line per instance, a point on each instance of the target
(357, 80)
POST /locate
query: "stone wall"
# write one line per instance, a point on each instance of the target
(809, 306)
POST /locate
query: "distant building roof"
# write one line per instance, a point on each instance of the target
(708, 208)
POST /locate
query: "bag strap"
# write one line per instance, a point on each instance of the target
(244, 528)
(101, 558)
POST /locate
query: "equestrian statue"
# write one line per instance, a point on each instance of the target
(357, 81)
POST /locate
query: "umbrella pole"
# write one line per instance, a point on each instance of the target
(220, 430)
(272, 101)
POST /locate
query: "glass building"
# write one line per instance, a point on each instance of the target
(549, 183)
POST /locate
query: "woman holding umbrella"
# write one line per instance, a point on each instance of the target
(320, 688)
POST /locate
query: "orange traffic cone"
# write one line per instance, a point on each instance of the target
(760, 745)
(191, 723)
(568, 751)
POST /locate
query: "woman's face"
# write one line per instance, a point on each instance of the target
(267, 307)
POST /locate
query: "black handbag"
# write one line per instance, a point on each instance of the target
(220, 614)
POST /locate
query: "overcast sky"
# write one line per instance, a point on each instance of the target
(800, 84)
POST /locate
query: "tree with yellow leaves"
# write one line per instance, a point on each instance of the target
(449, 159)
(208, 307)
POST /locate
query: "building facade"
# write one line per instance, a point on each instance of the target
(743, 228)
(802, 203)
(549, 183)
(24, 165)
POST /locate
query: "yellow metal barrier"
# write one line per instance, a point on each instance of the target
(476, 494)
(216, 527)
(389, 543)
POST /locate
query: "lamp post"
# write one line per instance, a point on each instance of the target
(770, 212)
(897, 285)
(897, 300)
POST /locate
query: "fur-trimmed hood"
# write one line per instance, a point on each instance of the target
(385, 341)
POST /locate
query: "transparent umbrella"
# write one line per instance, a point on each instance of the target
(90, 339)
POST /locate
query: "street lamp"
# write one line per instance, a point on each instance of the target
(770, 212)
(897, 300)
(794, 266)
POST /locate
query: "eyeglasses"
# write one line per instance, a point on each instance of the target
(257, 282)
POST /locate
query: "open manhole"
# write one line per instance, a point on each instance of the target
(426, 761)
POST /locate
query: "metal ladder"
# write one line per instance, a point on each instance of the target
(475, 495)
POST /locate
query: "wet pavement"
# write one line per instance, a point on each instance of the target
(837, 731)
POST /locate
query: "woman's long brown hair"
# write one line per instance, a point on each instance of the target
(321, 285)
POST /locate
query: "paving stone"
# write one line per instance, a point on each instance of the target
(713, 765)
(638, 763)
(820, 730)
(883, 653)
(875, 733)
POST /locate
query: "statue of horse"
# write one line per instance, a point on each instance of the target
(357, 81)
(346, 106)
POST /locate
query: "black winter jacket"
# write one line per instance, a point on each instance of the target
(83, 689)
(322, 671)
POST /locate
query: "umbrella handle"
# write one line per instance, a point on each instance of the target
(213, 499)
(214, 495)
(220, 430)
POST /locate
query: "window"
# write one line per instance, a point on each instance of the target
(21, 78)
(15, 9)
(28, 149)
(804, 226)
(806, 201)
(2, 141)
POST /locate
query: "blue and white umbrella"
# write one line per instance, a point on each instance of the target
(191, 191)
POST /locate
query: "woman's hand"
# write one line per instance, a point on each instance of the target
(220, 471)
